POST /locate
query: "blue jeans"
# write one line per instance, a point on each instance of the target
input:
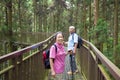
(73, 63)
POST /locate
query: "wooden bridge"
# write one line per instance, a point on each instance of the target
(26, 64)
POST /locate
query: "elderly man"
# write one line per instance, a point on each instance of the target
(72, 46)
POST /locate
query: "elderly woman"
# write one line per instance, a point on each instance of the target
(57, 60)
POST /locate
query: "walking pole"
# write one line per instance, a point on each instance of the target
(71, 66)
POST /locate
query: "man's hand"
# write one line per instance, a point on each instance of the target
(75, 47)
(74, 52)
(70, 52)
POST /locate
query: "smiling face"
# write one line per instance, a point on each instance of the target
(59, 38)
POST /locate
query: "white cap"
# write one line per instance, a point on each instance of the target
(72, 27)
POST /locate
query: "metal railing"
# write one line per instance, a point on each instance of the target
(26, 63)
(94, 65)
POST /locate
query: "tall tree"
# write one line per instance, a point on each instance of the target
(35, 16)
(71, 13)
(96, 6)
(84, 19)
(90, 21)
(9, 21)
(96, 10)
(116, 57)
(19, 14)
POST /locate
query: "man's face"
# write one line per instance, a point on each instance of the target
(71, 30)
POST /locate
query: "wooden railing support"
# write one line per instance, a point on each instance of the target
(26, 63)
(94, 65)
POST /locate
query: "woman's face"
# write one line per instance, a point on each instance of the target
(59, 38)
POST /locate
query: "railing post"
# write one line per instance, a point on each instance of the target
(91, 67)
(14, 70)
(97, 68)
(20, 68)
(6, 76)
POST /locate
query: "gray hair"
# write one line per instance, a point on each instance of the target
(71, 27)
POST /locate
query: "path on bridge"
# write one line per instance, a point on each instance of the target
(77, 76)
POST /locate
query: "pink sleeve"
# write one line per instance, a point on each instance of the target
(52, 52)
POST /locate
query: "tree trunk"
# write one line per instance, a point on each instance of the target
(19, 14)
(84, 20)
(116, 57)
(76, 14)
(9, 24)
(40, 17)
(96, 9)
(35, 17)
(54, 22)
(95, 12)
(71, 14)
(0, 16)
(90, 21)
(104, 18)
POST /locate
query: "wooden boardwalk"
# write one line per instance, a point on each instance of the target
(77, 76)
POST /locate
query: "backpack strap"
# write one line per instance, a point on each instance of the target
(73, 36)
(55, 48)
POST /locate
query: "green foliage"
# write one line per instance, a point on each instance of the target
(49, 2)
(100, 30)
(32, 20)
(4, 29)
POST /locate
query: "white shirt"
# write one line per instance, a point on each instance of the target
(73, 38)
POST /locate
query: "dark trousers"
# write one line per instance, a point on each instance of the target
(73, 63)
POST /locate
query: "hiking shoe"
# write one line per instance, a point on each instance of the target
(77, 71)
(70, 73)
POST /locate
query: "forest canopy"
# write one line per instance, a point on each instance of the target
(95, 20)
